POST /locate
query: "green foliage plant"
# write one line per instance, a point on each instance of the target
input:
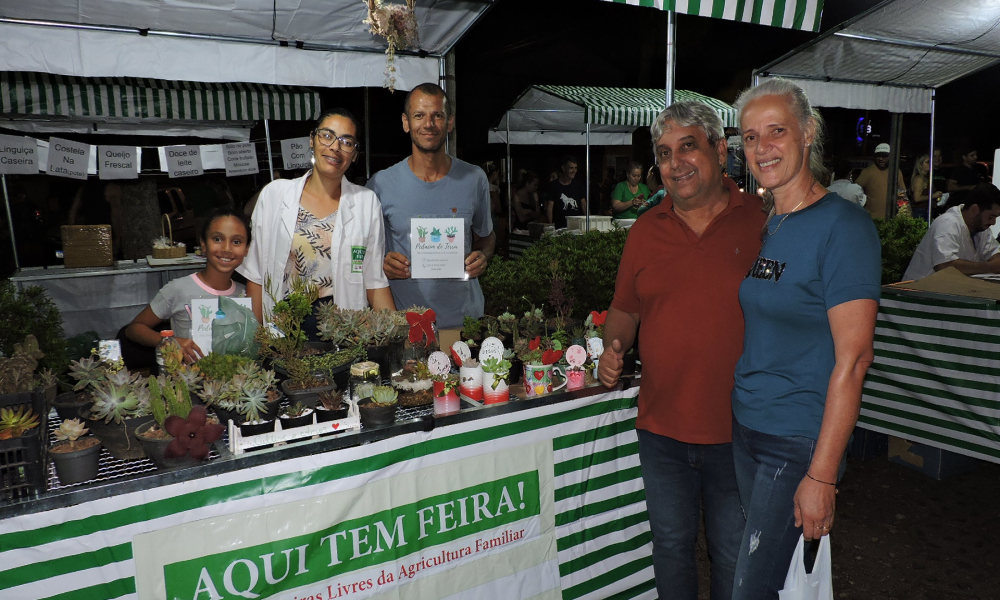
(384, 395)
(168, 398)
(287, 315)
(899, 237)
(17, 372)
(31, 312)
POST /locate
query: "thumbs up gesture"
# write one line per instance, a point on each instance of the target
(609, 367)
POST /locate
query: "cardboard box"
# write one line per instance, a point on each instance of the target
(933, 462)
(87, 246)
(866, 444)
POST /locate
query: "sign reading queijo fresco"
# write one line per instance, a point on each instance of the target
(430, 533)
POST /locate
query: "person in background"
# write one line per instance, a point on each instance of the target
(630, 194)
(225, 239)
(321, 228)
(653, 181)
(961, 238)
(677, 287)
(526, 207)
(844, 185)
(962, 178)
(566, 195)
(656, 188)
(431, 183)
(874, 179)
(809, 303)
(497, 212)
(920, 186)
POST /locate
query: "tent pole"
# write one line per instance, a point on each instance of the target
(443, 82)
(10, 222)
(270, 158)
(930, 174)
(892, 178)
(671, 55)
(586, 195)
(510, 196)
(368, 138)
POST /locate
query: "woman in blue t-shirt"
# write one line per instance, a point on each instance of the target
(809, 303)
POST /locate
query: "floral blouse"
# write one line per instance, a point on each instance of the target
(309, 257)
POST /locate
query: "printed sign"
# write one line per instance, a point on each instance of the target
(203, 312)
(18, 155)
(439, 531)
(68, 159)
(295, 153)
(490, 348)
(437, 248)
(241, 159)
(183, 161)
(110, 351)
(118, 162)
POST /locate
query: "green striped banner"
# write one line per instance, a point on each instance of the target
(597, 503)
(935, 378)
(42, 94)
(637, 107)
(804, 15)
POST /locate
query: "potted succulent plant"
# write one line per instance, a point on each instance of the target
(445, 394)
(287, 315)
(303, 385)
(538, 357)
(88, 372)
(381, 327)
(495, 380)
(296, 415)
(331, 406)
(17, 371)
(16, 421)
(76, 458)
(248, 397)
(180, 434)
(120, 405)
(414, 384)
(380, 408)
(420, 332)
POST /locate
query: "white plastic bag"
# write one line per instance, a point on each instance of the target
(817, 585)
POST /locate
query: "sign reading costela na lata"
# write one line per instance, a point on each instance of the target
(68, 159)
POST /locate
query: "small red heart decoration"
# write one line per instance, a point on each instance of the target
(336, 425)
(539, 375)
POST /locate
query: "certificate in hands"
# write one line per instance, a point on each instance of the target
(437, 248)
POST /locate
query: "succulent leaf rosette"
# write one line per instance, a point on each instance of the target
(192, 436)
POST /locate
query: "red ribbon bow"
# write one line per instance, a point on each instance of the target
(421, 325)
(598, 318)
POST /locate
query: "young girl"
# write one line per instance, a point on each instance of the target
(225, 238)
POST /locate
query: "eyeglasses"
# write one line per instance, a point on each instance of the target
(326, 137)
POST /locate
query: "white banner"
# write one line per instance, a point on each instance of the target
(183, 161)
(118, 162)
(18, 155)
(68, 159)
(241, 159)
(295, 153)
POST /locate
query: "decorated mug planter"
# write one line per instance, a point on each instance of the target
(496, 390)
(538, 379)
(496, 371)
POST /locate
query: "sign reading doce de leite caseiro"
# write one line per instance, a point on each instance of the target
(117, 162)
(440, 531)
(18, 155)
(183, 161)
(437, 248)
(295, 153)
(68, 159)
(241, 159)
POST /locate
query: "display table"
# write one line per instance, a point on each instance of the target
(532, 499)
(936, 375)
(101, 299)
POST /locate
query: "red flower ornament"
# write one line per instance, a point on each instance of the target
(193, 435)
(598, 318)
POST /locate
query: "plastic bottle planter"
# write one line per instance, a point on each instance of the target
(448, 403)
(501, 393)
(575, 379)
(538, 380)
(470, 384)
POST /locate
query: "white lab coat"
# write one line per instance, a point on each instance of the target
(359, 225)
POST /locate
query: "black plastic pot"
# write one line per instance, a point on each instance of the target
(248, 429)
(290, 422)
(323, 415)
(156, 449)
(78, 465)
(68, 404)
(375, 415)
(306, 396)
(119, 439)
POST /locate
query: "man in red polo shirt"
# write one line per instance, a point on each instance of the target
(677, 286)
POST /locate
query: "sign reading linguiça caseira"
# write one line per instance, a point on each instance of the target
(183, 161)
(68, 159)
(295, 153)
(441, 531)
(241, 159)
(18, 155)
(117, 162)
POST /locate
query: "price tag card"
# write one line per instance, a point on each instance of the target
(490, 348)
(437, 248)
(438, 363)
(576, 355)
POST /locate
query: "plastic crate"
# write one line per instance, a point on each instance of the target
(22, 459)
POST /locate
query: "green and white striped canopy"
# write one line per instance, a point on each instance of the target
(790, 14)
(635, 107)
(41, 94)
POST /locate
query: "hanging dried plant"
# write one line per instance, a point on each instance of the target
(397, 23)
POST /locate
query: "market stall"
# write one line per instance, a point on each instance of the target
(534, 499)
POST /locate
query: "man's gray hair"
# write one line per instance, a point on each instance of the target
(686, 114)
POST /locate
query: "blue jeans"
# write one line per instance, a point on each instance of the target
(679, 478)
(769, 469)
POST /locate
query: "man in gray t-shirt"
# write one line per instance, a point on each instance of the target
(429, 183)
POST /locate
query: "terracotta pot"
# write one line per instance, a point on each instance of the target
(77, 465)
